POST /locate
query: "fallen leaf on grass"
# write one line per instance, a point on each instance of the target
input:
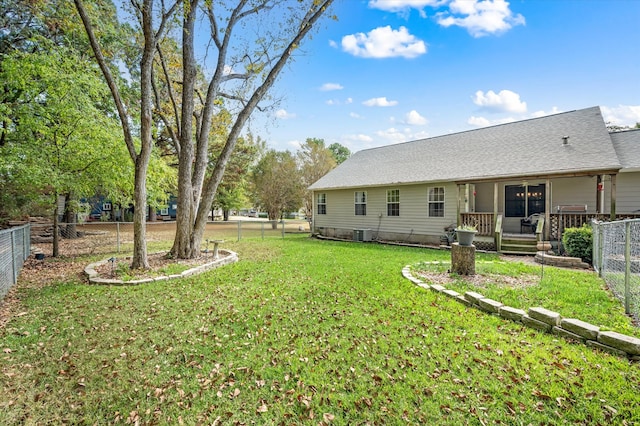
(540, 394)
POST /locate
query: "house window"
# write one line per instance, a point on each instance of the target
(361, 203)
(393, 202)
(164, 212)
(322, 204)
(436, 201)
(522, 201)
(106, 207)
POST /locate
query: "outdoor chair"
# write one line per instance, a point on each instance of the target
(529, 223)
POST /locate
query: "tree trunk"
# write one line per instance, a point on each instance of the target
(196, 192)
(463, 259)
(56, 234)
(152, 214)
(139, 259)
(70, 218)
(183, 247)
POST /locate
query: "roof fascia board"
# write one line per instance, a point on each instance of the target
(588, 173)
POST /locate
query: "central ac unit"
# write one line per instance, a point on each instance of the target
(362, 235)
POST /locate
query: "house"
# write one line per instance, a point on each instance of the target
(567, 168)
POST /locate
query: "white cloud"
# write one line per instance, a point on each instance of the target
(622, 115)
(481, 17)
(380, 102)
(415, 119)
(478, 121)
(504, 101)
(295, 144)
(394, 135)
(484, 122)
(327, 87)
(355, 115)
(284, 115)
(359, 138)
(403, 6)
(554, 110)
(384, 42)
(332, 43)
(339, 102)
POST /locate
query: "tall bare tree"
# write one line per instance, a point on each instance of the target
(246, 67)
(252, 42)
(140, 155)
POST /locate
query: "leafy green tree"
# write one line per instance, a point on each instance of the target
(61, 141)
(315, 160)
(232, 192)
(277, 186)
(340, 152)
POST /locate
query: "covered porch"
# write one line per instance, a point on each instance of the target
(500, 208)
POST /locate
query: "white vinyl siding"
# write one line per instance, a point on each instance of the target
(627, 194)
(576, 191)
(340, 211)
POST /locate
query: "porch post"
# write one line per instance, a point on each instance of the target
(495, 204)
(547, 210)
(613, 198)
(458, 220)
(599, 194)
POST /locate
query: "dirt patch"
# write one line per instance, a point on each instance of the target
(478, 280)
(158, 263)
(482, 280)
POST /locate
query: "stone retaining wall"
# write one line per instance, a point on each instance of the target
(544, 320)
(226, 257)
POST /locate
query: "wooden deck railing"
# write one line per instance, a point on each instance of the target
(576, 220)
(482, 221)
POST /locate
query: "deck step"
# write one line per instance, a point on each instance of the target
(519, 247)
(518, 253)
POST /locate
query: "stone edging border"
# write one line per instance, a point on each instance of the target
(543, 320)
(94, 278)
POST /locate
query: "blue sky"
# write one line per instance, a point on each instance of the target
(390, 71)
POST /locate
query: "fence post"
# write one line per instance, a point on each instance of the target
(627, 266)
(600, 250)
(283, 228)
(239, 230)
(13, 257)
(262, 230)
(118, 236)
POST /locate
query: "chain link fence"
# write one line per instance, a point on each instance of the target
(616, 257)
(15, 247)
(117, 237)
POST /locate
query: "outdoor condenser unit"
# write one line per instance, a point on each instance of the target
(362, 235)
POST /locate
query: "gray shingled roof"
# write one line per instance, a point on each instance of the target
(525, 148)
(627, 145)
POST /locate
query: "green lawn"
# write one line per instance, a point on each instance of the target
(300, 331)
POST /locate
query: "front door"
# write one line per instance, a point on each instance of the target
(524, 200)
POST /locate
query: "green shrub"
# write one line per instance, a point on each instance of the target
(578, 242)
